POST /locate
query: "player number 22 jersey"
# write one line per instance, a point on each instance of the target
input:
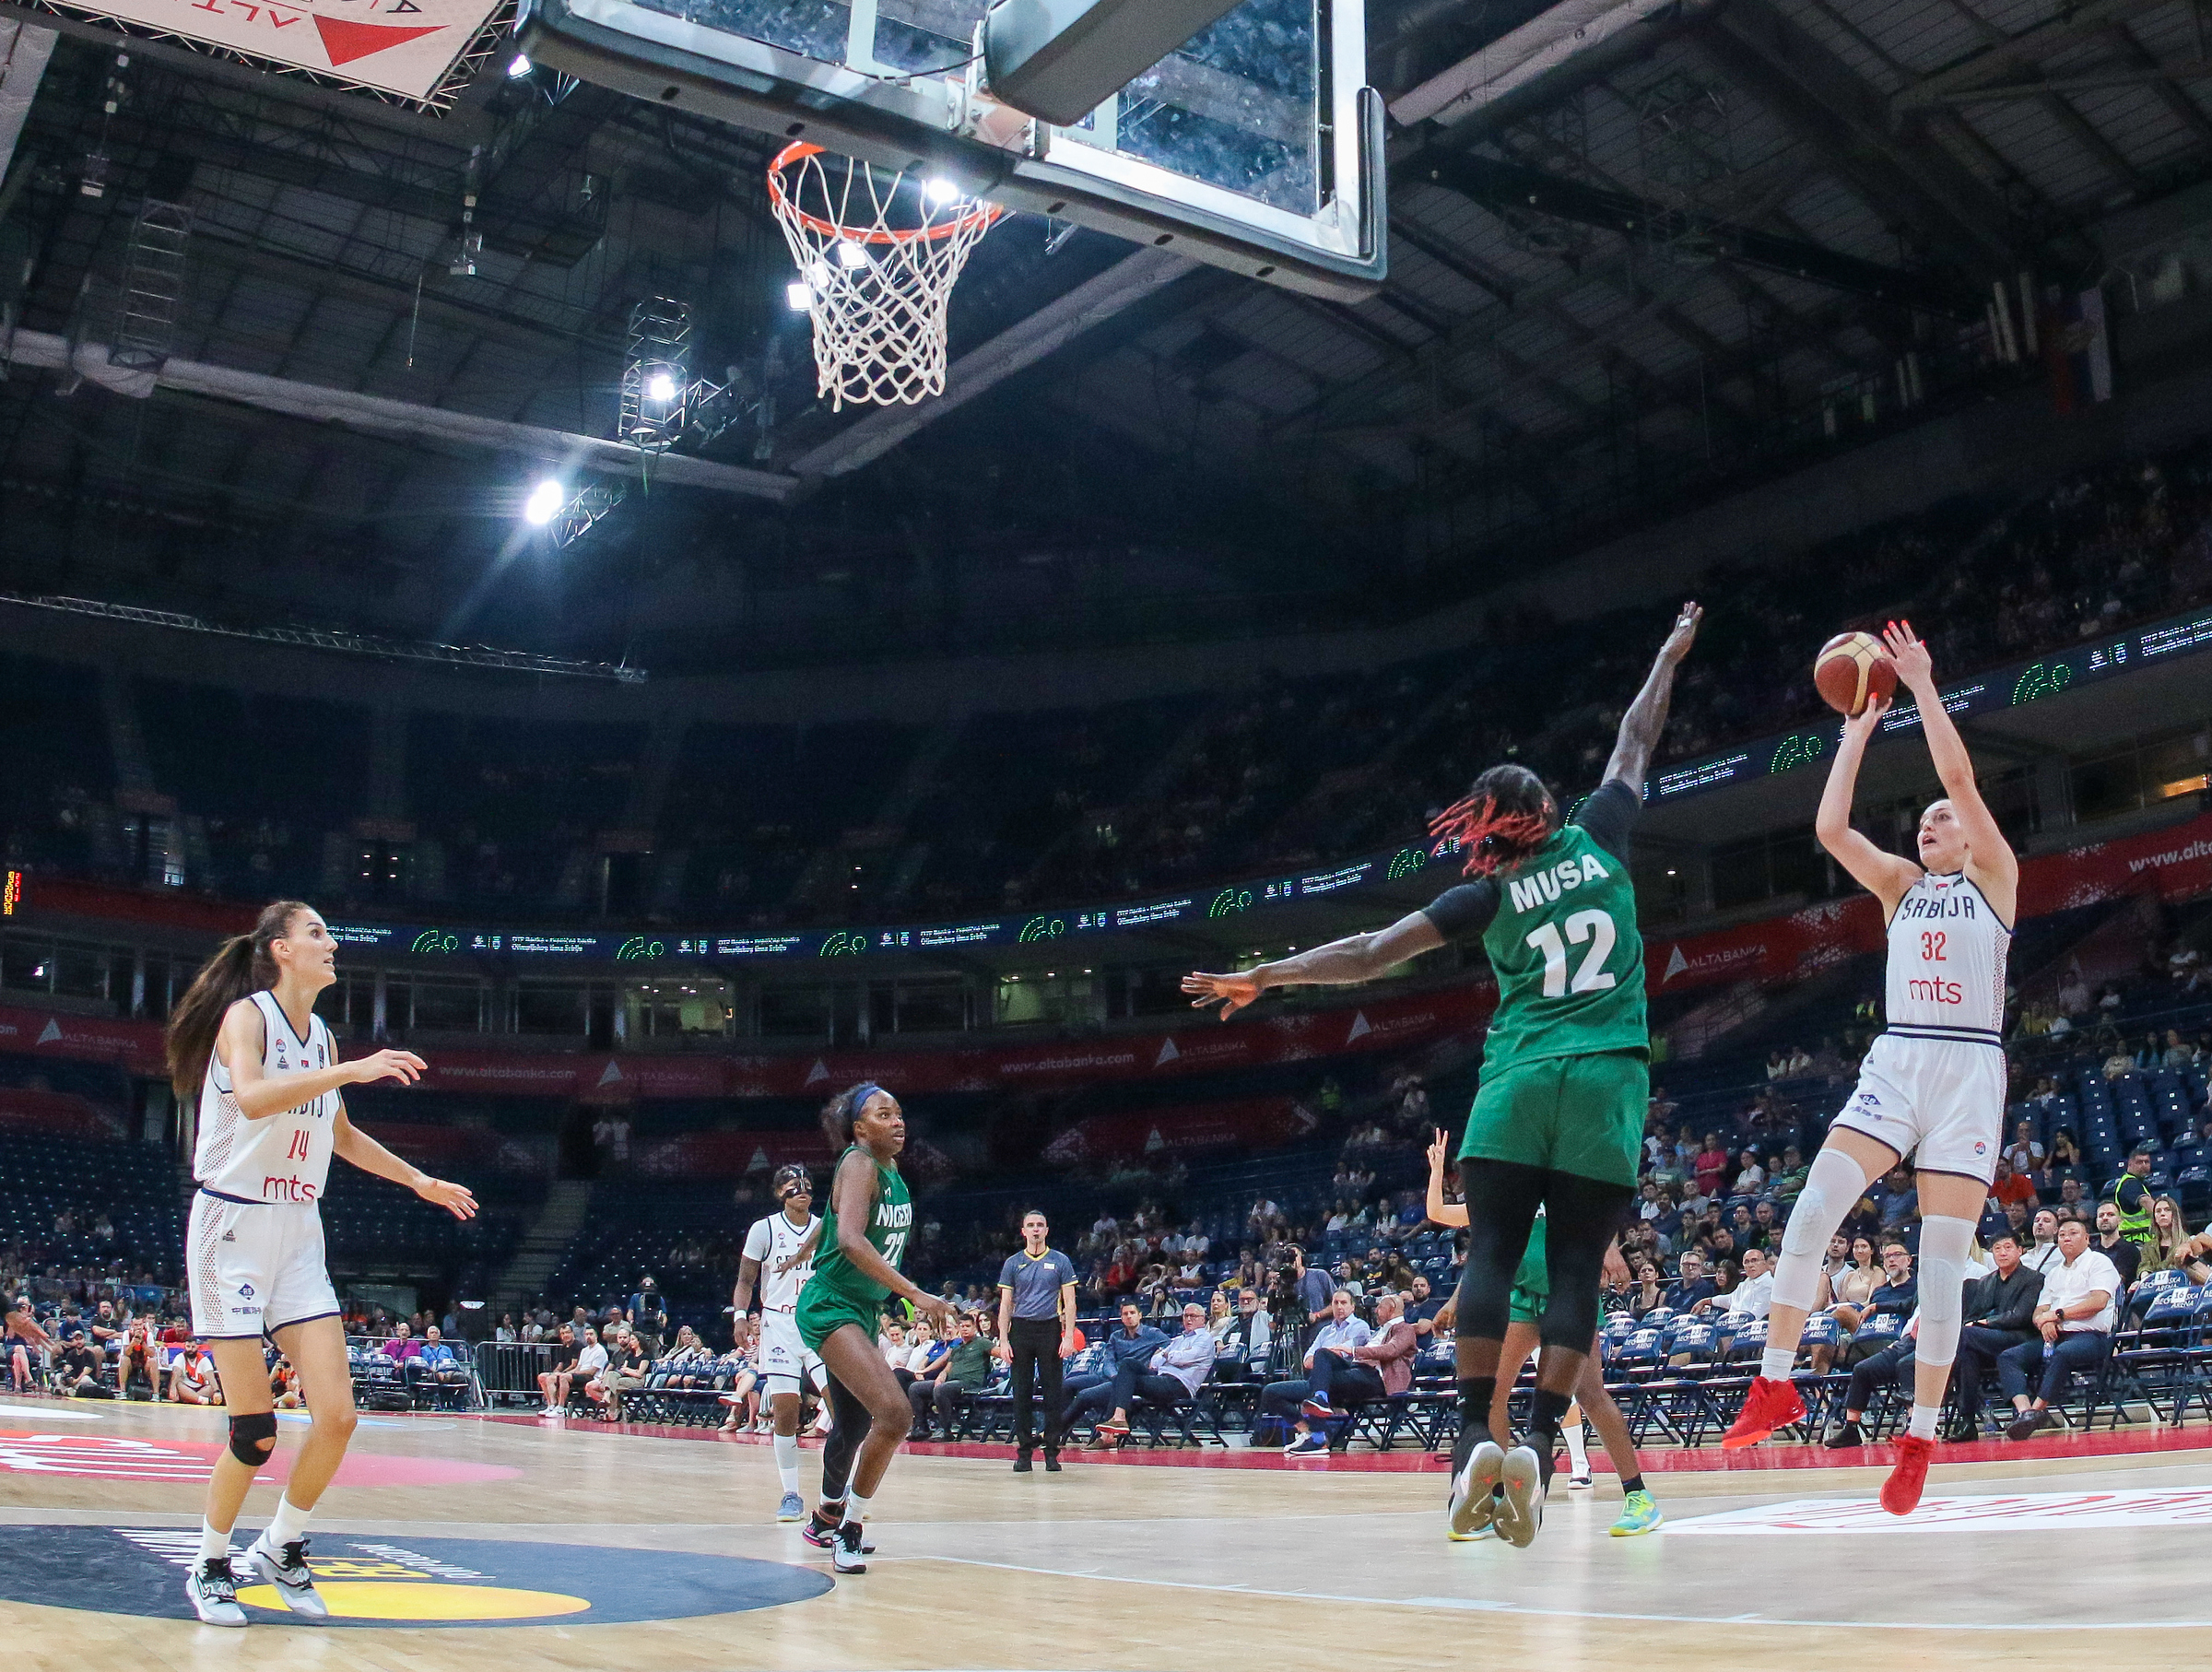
(773, 1241)
(1947, 948)
(285, 1158)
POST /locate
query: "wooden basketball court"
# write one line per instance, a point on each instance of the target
(464, 1541)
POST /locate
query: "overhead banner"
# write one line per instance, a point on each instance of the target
(404, 47)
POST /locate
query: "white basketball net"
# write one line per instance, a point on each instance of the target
(877, 293)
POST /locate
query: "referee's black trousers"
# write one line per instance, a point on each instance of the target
(1036, 1347)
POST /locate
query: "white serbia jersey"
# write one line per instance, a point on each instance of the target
(1946, 963)
(771, 1242)
(286, 1157)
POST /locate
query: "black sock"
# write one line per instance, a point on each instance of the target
(1548, 1414)
(1475, 1396)
(1634, 1483)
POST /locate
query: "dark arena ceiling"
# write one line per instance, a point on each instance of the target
(1655, 274)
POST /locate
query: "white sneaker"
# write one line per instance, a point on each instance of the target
(286, 1570)
(212, 1590)
(1520, 1501)
(1579, 1483)
(1474, 1488)
(846, 1553)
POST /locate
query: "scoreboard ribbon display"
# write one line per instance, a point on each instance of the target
(2011, 687)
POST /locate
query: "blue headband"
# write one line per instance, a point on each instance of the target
(861, 1093)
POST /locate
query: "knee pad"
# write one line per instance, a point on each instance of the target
(1945, 1243)
(253, 1437)
(1833, 1184)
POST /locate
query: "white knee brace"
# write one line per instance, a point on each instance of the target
(1944, 1243)
(1832, 1185)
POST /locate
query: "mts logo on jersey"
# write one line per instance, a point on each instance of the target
(1531, 893)
(1936, 991)
(293, 1189)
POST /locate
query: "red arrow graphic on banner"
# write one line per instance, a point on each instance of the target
(346, 41)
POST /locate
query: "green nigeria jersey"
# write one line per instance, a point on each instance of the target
(889, 1229)
(1568, 956)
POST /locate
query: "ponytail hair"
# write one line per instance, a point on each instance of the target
(840, 1115)
(243, 964)
(1506, 816)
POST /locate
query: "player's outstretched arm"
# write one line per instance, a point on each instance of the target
(1646, 718)
(1356, 958)
(351, 1143)
(1992, 865)
(1884, 875)
(1440, 1212)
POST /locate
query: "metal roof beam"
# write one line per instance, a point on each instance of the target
(2030, 46)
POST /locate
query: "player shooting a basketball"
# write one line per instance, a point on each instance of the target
(1566, 1079)
(1932, 1084)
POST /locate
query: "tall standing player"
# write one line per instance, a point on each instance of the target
(1932, 1086)
(1566, 1080)
(779, 1258)
(864, 1238)
(246, 1040)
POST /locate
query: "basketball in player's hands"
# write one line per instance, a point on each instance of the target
(1852, 669)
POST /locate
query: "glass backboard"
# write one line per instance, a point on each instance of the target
(1257, 146)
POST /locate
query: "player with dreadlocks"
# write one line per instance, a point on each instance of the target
(1565, 1081)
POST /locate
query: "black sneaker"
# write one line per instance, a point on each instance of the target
(1842, 1435)
(286, 1568)
(2030, 1423)
(848, 1554)
(1051, 1463)
(212, 1589)
(1021, 1463)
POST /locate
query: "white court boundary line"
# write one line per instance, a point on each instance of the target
(1474, 1604)
(51, 1413)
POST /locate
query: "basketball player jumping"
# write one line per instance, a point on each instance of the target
(1932, 1086)
(246, 1040)
(1565, 1081)
(779, 1256)
(864, 1238)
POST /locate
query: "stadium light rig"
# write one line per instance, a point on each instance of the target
(544, 503)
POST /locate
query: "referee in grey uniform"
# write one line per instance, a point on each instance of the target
(1036, 1323)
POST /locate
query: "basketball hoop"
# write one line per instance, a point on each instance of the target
(877, 292)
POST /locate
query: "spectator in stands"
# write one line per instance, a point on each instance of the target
(1894, 1364)
(138, 1358)
(440, 1367)
(2013, 1185)
(1171, 1373)
(2025, 1153)
(1340, 1381)
(1135, 1340)
(2126, 1257)
(192, 1379)
(2131, 1195)
(2120, 1063)
(79, 1370)
(2172, 1247)
(1243, 1339)
(1343, 1331)
(1999, 1314)
(1645, 1291)
(1422, 1305)
(2042, 1252)
(925, 1352)
(964, 1368)
(742, 1394)
(28, 1346)
(591, 1358)
(1313, 1288)
(1753, 1296)
(553, 1380)
(2074, 1319)
(1691, 1285)
(1711, 1166)
(624, 1371)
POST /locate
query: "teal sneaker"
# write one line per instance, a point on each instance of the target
(1640, 1513)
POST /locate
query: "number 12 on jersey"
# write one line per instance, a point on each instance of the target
(1590, 975)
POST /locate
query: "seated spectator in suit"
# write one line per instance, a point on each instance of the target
(2073, 1319)
(1174, 1372)
(1896, 1296)
(1340, 1381)
(1999, 1315)
(1343, 1331)
(1136, 1339)
(1895, 1363)
(965, 1369)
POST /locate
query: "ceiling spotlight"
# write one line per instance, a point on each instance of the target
(660, 386)
(518, 67)
(850, 254)
(800, 295)
(544, 500)
(941, 190)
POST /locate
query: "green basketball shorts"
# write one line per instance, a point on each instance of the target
(1577, 1114)
(823, 1311)
(1526, 1306)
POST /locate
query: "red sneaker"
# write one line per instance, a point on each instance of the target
(1900, 1493)
(1769, 1406)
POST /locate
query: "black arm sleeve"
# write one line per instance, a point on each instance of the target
(1609, 814)
(1465, 911)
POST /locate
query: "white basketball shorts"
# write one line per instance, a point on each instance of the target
(253, 1267)
(783, 1357)
(1939, 1103)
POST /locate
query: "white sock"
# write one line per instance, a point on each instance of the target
(1774, 1364)
(1578, 1450)
(787, 1461)
(213, 1545)
(290, 1524)
(1923, 1425)
(856, 1506)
